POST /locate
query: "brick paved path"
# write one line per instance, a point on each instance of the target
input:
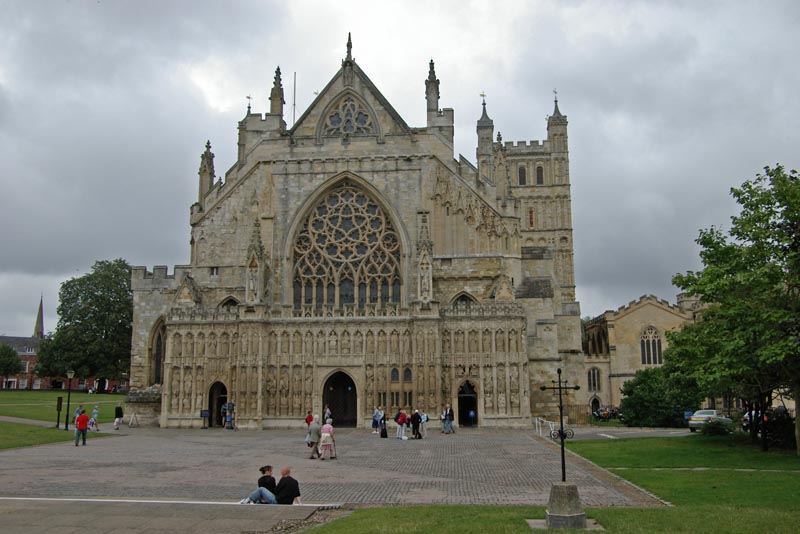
(480, 466)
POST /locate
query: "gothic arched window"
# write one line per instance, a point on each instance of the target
(651, 347)
(347, 252)
(395, 375)
(594, 379)
(407, 374)
(523, 179)
(540, 175)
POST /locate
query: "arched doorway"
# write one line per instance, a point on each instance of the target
(467, 405)
(595, 404)
(339, 394)
(217, 395)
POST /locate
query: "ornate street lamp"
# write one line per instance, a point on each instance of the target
(70, 374)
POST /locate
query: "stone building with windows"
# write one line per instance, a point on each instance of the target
(354, 260)
(618, 343)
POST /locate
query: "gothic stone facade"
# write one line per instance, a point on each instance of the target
(629, 339)
(352, 260)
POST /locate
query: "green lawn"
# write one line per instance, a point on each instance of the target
(722, 499)
(41, 405)
(13, 435)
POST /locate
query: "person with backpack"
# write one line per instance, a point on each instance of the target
(401, 419)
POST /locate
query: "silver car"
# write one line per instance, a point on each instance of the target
(701, 417)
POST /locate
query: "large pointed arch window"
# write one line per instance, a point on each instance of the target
(651, 347)
(346, 253)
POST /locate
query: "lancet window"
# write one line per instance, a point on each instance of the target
(346, 253)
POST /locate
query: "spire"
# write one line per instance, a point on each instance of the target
(485, 120)
(349, 48)
(556, 112)
(432, 89)
(38, 329)
(276, 100)
(206, 172)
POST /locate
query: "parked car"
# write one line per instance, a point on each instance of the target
(701, 417)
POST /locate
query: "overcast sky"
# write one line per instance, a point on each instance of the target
(105, 107)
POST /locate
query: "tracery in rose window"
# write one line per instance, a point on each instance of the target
(349, 117)
(347, 252)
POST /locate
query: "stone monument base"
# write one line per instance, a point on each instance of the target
(564, 509)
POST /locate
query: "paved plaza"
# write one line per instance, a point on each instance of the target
(474, 466)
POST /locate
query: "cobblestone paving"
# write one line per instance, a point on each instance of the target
(480, 466)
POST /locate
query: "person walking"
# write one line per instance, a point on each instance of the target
(77, 412)
(424, 424)
(314, 435)
(288, 490)
(448, 420)
(326, 441)
(118, 415)
(81, 426)
(401, 421)
(327, 413)
(265, 493)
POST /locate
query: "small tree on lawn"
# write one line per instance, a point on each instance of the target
(10, 362)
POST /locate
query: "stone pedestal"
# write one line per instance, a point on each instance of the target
(564, 508)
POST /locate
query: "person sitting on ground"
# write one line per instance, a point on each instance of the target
(314, 436)
(326, 442)
(265, 493)
(288, 490)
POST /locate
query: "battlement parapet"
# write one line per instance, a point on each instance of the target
(484, 309)
(158, 278)
(519, 145)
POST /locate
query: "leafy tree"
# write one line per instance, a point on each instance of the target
(656, 397)
(10, 362)
(93, 335)
(751, 283)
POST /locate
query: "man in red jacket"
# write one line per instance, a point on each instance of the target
(401, 421)
(81, 426)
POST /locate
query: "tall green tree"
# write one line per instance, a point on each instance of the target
(751, 283)
(10, 362)
(93, 335)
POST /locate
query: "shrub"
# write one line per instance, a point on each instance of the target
(717, 427)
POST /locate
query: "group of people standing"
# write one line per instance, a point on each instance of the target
(83, 423)
(417, 422)
(285, 491)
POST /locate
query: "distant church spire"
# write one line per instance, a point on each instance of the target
(38, 329)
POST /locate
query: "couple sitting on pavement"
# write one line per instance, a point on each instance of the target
(286, 491)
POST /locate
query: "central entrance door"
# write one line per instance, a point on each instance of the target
(217, 395)
(467, 405)
(340, 395)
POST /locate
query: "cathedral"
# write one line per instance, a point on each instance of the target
(354, 261)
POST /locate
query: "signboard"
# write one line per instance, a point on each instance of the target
(204, 414)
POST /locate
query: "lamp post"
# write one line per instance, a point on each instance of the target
(561, 433)
(70, 374)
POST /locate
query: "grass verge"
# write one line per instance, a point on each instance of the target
(14, 435)
(41, 405)
(721, 499)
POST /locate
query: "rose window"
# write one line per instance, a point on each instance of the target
(348, 118)
(347, 252)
